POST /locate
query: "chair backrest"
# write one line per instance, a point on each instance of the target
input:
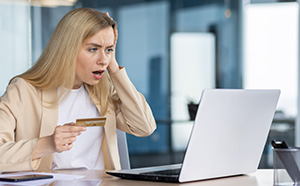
(123, 150)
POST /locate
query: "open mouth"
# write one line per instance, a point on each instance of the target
(98, 73)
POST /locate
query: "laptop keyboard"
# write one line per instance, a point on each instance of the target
(170, 172)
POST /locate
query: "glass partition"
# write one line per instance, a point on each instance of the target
(15, 45)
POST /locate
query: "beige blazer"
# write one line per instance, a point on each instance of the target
(23, 120)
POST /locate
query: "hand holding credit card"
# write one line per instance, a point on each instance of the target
(91, 122)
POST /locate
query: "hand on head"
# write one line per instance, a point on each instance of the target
(113, 66)
(115, 30)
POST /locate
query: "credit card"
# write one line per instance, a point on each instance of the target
(91, 122)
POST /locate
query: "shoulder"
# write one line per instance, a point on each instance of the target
(21, 84)
(20, 87)
(18, 81)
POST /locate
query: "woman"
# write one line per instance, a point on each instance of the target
(69, 82)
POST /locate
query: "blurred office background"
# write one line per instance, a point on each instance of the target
(172, 50)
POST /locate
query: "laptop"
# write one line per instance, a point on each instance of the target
(227, 138)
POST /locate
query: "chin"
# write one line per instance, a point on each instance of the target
(92, 83)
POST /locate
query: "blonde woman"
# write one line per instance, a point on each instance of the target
(76, 76)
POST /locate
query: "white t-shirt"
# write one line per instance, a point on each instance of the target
(86, 152)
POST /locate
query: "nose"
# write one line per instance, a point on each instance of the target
(103, 59)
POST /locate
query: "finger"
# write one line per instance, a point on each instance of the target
(61, 138)
(71, 128)
(64, 138)
(66, 135)
(65, 147)
(66, 141)
(60, 142)
(69, 124)
(106, 13)
(115, 31)
(116, 36)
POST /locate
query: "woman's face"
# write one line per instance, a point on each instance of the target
(94, 57)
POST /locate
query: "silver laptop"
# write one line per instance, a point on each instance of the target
(227, 139)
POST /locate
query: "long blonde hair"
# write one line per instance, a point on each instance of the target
(56, 66)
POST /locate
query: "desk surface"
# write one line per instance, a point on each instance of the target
(262, 177)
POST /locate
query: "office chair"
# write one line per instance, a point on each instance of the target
(123, 150)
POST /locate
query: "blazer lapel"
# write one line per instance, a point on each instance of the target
(48, 122)
(110, 132)
(49, 112)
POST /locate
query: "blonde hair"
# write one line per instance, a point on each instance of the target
(56, 66)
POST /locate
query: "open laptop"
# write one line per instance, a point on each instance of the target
(227, 139)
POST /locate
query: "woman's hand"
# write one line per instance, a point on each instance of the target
(113, 65)
(61, 140)
(64, 136)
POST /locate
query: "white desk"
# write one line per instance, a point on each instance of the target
(263, 177)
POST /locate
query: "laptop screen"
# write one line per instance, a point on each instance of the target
(229, 133)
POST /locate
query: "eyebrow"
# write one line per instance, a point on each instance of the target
(97, 45)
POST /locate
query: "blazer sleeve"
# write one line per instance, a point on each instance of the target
(133, 113)
(15, 152)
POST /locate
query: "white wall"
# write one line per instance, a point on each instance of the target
(271, 51)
